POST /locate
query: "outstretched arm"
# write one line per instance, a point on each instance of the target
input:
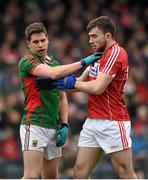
(95, 87)
(43, 83)
(64, 70)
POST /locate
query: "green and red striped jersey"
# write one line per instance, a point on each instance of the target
(41, 107)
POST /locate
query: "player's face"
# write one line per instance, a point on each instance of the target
(38, 44)
(97, 39)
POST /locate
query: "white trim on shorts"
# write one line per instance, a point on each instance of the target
(109, 135)
(35, 138)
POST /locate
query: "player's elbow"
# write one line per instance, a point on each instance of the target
(46, 71)
(98, 91)
(54, 74)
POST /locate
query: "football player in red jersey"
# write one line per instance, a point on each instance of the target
(107, 128)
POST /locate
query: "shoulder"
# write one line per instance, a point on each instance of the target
(110, 61)
(123, 53)
(22, 62)
(30, 58)
(27, 62)
(23, 66)
(114, 54)
(113, 51)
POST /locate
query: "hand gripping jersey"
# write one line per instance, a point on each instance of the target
(110, 104)
(41, 107)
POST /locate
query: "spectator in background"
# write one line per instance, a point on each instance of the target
(140, 139)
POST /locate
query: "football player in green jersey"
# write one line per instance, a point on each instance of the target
(44, 125)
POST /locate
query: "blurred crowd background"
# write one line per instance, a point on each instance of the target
(66, 22)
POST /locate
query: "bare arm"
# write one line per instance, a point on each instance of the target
(95, 87)
(63, 108)
(64, 70)
(56, 72)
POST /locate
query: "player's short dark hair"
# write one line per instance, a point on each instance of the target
(104, 23)
(36, 27)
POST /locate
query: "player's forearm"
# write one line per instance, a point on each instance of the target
(58, 71)
(89, 87)
(64, 70)
(97, 86)
(63, 108)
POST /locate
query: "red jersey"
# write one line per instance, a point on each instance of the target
(110, 104)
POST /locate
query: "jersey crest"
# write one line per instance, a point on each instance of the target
(93, 71)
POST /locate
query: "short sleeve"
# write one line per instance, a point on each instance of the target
(27, 65)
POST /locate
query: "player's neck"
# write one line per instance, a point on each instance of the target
(109, 44)
(43, 57)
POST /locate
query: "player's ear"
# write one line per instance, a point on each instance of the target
(28, 43)
(108, 36)
(47, 40)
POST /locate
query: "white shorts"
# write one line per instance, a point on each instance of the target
(35, 138)
(111, 136)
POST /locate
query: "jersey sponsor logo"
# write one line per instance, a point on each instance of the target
(34, 143)
(48, 60)
(93, 71)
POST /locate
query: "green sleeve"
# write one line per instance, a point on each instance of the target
(25, 66)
